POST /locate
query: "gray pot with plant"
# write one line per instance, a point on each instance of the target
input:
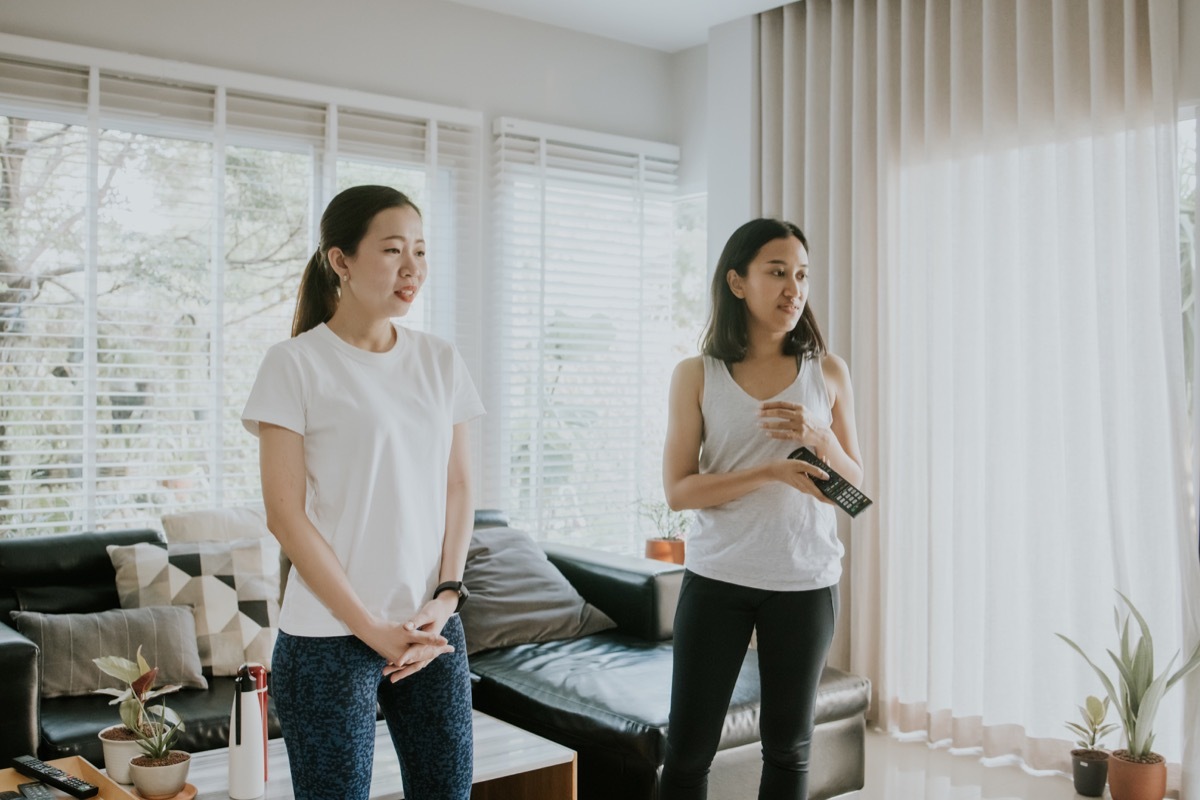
(1137, 772)
(160, 772)
(1089, 763)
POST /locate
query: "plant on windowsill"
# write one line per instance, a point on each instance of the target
(1089, 763)
(1137, 772)
(671, 526)
(155, 769)
(121, 742)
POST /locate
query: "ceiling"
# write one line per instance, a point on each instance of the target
(667, 25)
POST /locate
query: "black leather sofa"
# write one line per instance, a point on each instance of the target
(72, 573)
(605, 696)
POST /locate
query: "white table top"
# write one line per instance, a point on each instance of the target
(500, 750)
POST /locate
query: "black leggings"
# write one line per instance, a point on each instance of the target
(713, 623)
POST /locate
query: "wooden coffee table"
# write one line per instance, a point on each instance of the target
(510, 763)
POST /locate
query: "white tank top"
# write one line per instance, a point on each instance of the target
(776, 537)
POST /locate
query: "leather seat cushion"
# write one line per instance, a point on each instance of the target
(613, 691)
(69, 724)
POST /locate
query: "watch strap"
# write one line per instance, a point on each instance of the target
(458, 587)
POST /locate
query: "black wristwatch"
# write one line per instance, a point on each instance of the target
(454, 586)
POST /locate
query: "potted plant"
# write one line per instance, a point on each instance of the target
(160, 773)
(120, 742)
(671, 526)
(1137, 772)
(1089, 764)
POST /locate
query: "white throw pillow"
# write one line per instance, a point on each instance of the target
(216, 525)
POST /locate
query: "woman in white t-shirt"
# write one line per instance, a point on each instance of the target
(764, 555)
(362, 428)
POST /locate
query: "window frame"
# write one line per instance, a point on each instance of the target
(465, 125)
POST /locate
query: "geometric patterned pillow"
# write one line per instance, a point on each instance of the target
(232, 587)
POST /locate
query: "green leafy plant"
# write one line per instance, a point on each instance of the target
(157, 727)
(1137, 691)
(669, 524)
(1093, 712)
(158, 739)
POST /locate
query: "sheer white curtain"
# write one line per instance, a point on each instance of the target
(989, 189)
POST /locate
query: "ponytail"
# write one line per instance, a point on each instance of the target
(318, 296)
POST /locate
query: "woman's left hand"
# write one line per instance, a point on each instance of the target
(791, 421)
(432, 618)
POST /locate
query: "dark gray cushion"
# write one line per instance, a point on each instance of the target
(69, 642)
(518, 596)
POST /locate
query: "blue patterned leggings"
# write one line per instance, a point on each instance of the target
(325, 689)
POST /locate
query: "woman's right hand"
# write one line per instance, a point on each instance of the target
(799, 474)
(406, 647)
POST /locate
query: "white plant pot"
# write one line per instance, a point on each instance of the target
(117, 755)
(160, 783)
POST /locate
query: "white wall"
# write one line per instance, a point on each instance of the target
(427, 50)
(733, 129)
(689, 70)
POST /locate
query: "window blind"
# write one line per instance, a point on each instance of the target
(152, 235)
(582, 352)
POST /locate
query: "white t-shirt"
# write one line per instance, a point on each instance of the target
(377, 431)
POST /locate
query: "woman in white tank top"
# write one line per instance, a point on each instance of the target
(764, 554)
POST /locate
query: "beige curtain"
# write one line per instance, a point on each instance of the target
(989, 189)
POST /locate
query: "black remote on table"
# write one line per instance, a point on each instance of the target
(837, 488)
(10, 796)
(53, 776)
(36, 791)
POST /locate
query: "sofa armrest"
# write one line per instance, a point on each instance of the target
(19, 694)
(638, 593)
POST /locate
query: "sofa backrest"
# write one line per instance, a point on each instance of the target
(62, 574)
(490, 518)
(639, 594)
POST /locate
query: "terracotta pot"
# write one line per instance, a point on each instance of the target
(669, 550)
(160, 783)
(117, 754)
(1090, 770)
(1133, 780)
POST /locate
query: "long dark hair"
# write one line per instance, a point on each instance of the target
(343, 225)
(727, 335)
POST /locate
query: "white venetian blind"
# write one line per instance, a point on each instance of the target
(152, 235)
(155, 307)
(272, 153)
(581, 355)
(43, 323)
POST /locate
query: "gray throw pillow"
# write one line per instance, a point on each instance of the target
(69, 642)
(518, 596)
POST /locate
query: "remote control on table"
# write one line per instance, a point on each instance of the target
(10, 796)
(32, 767)
(36, 791)
(837, 488)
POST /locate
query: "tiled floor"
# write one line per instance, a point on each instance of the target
(916, 771)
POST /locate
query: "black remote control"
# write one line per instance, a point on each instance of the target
(10, 796)
(36, 791)
(837, 488)
(53, 776)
